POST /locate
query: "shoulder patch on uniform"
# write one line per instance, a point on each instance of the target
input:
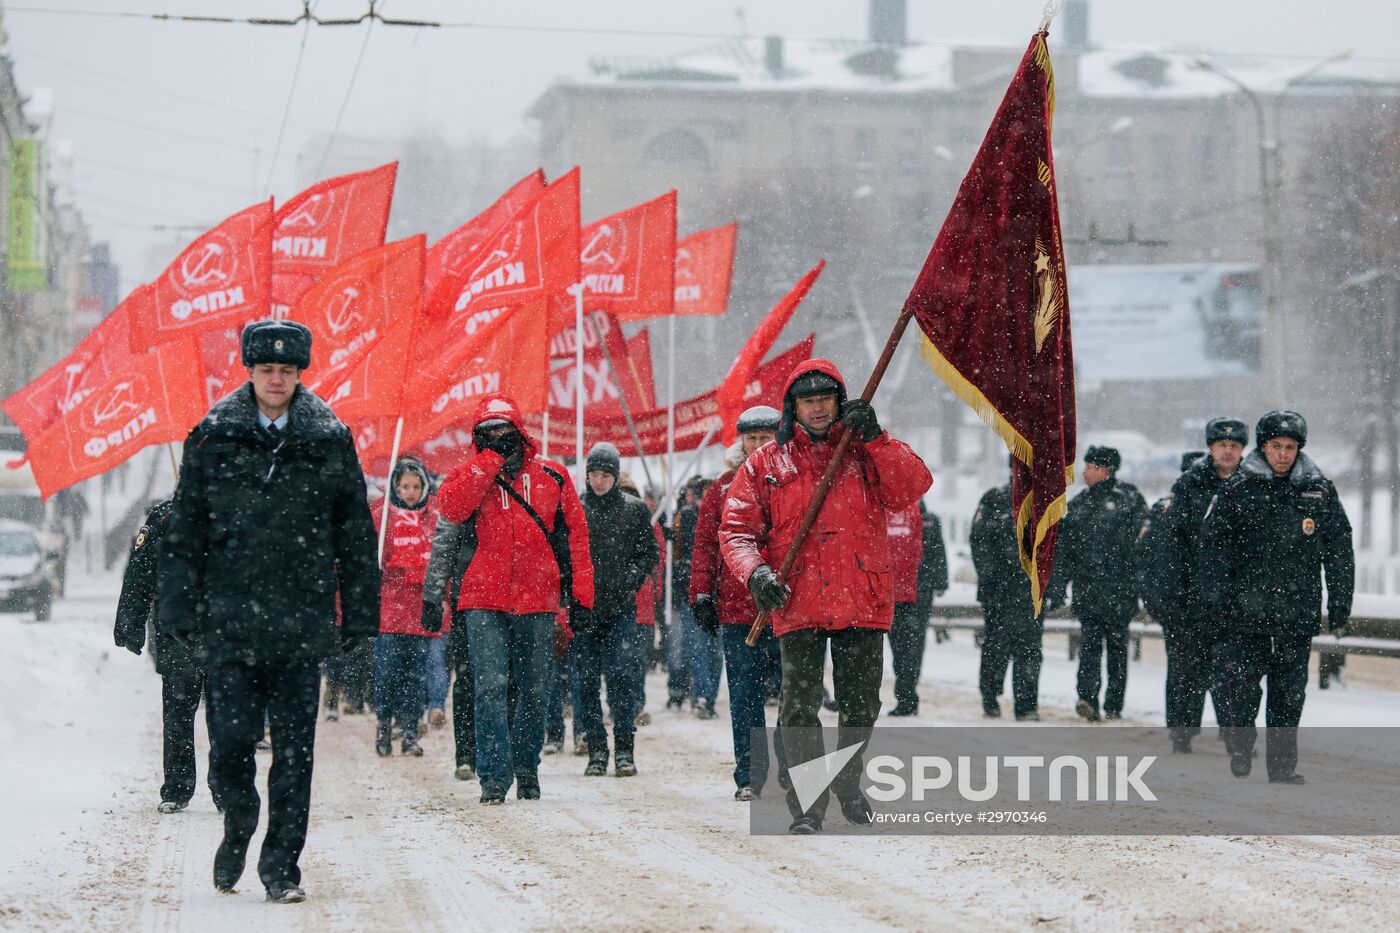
(1312, 494)
(141, 537)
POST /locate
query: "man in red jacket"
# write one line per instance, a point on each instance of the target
(522, 508)
(839, 588)
(722, 605)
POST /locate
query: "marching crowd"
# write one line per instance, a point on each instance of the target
(503, 585)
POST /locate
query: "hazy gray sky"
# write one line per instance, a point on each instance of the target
(175, 123)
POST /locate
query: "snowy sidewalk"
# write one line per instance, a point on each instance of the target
(398, 844)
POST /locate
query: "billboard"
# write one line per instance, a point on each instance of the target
(28, 266)
(1165, 322)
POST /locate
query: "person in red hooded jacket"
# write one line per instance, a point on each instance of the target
(839, 590)
(401, 650)
(722, 605)
(530, 551)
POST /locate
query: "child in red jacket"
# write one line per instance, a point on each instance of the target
(401, 650)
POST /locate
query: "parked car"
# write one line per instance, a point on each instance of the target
(26, 573)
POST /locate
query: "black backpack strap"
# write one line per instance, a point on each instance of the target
(558, 539)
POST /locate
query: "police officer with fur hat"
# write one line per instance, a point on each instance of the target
(1095, 556)
(270, 523)
(1269, 535)
(1191, 634)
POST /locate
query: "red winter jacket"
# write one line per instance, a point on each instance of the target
(906, 530)
(842, 576)
(708, 572)
(408, 543)
(514, 569)
(646, 596)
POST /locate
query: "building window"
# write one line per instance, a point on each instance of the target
(819, 145)
(866, 155)
(677, 148)
(908, 151)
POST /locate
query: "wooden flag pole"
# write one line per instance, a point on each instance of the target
(829, 477)
(389, 488)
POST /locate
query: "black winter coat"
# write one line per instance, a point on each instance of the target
(1094, 552)
(1161, 577)
(1265, 543)
(266, 528)
(933, 566)
(622, 547)
(1002, 584)
(137, 603)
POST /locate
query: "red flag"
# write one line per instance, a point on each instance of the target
(994, 307)
(371, 333)
(221, 351)
(533, 254)
(704, 269)
(627, 263)
(508, 355)
(332, 221)
(100, 355)
(731, 391)
(694, 417)
(157, 399)
(355, 304)
(604, 388)
(222, 278)
(450, 255)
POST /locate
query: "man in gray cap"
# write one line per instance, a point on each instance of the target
(1095, 556)
(723, 606)
(608, 641)
(270, 522)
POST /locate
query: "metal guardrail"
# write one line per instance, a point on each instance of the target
(1062, 622)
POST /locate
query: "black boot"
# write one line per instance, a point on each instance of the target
(384, 740)
(228, 865)
(991, 708)
(527, 786)
(623, 765)
(597, 758)
(857, 809)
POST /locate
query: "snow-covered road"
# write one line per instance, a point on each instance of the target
(399, 844)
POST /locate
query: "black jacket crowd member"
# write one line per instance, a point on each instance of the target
(270, 521)
(1269, 535)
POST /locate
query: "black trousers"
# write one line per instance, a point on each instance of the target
(1282, 661)
(1192, 670)
(858, 661)
(907, 637)
(1011, 639)
(1100, 631)
(239, 693)
(179, 700)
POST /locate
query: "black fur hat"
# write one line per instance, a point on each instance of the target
(277, 342)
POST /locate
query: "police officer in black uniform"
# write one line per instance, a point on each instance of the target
(1269, 534)
(180, 666)
(270, 523)
(1012, 634)
(1095, 557)
(1193, 635)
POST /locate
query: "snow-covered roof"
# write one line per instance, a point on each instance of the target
(1179, 74)
(859, 65)
(807, 64)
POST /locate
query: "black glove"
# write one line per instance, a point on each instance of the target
(706, 614)
(1339, 628)
(349, 643)
(183, 639)
(580, 618)
(559, 644)
(432, 617)
(768, 593)
(858, 415)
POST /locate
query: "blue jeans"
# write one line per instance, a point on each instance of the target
(749, 670)
(609, 648)
(438, 680)
(400, 673)
(677, 659)
(503, 648)
(702, 651)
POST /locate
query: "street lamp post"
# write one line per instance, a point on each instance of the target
(1270, 180)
